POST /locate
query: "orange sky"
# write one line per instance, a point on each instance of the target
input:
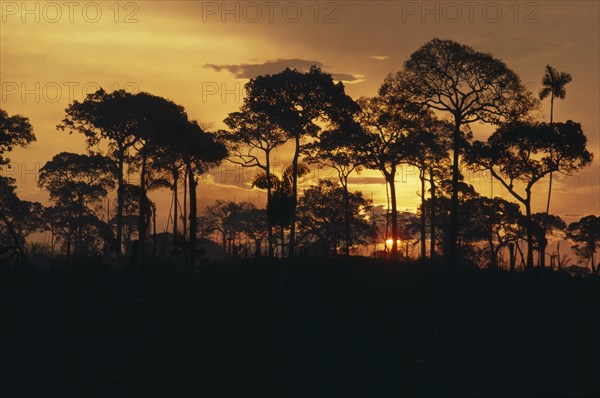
(200, 54)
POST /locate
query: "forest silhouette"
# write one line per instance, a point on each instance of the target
(317, 293)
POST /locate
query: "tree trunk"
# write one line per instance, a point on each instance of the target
(282, 240)
(193, 221)
(143, 208)
(493, 261)
(451, 252)
(120, 202)
(346, 215)
(512, 257)
(432, 219)
(185, 201)
(542, 260)
(175, 205)
(269, 193)
(154, 233)
(423, 232)
(529, 233)
(292, 243)
(392, 185)
(257, 245)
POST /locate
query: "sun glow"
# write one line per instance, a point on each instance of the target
(389, 242)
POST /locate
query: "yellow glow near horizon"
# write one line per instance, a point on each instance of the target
(389, 242)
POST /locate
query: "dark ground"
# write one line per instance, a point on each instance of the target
(350, 328)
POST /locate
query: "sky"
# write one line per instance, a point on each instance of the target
(200, 55)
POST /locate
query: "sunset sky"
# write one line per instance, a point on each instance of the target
(200, 55)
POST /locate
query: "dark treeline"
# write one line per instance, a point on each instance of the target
(421, 117)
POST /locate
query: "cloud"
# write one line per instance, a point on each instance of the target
(379, 57)
(249, 71)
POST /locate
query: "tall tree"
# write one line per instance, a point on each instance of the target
(424, 147)
(337, 149)
(527, 152)
(299, 104)
(251, 141)
(106, 117)
(386, 123)
(467, 85)
(554, 83)
(158, 123)
(201, 151)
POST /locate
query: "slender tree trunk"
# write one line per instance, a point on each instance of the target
(193, 221)
(282, 240)
(120, 202)
(542, 259)
(423, 231)
(346, 215)
(433, 215)
(185, 199)
(512, 257)
(78, 230)
(392, 185)
(529, 233)
(269, 195)
(154, 233)
(51, 248)
(257, 247)
(292, 243)
(175, 205)
(143, 208)
(493, 261)
(451, 252)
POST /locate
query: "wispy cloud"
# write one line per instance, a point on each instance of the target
(379, 57)
(249, 71)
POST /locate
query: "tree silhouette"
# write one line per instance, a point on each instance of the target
(525, 153)
(299, 104)
(469, 86)
(492, 220)
(200, 151)
(554, 83)
(586, 235)
(15, 214)
(542, 226)
(106, 117)
(425, 146)
(157, 122)
(322, 215)
(18, 219)
(78, 183)
(250, 142)
(386, 123)
(337, 149)
(15, 131)
(281, 208)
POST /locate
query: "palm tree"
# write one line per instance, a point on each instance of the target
(554, 86)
